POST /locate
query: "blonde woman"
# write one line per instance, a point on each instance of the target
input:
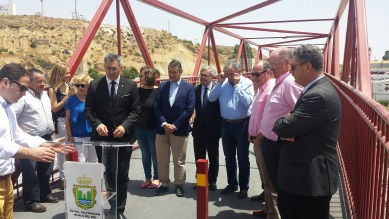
(77, 127)
(59, 92)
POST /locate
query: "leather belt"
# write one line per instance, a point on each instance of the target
(5, 177)
(270, 141)
(237, 120)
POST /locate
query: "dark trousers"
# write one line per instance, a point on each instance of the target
(293, 206)
(36, 179)
(201, 145)
(271, 154)
(123, 164)
(234, 138)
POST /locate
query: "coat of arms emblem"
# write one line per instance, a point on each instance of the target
(84, 194)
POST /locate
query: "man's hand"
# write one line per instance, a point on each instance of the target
(42, 154)
(191, 120)
(250, 138)
(236, 78)
(102, 130)
(220, 78)
(119, 132)
(58, 146)
(169, 129)
(289, 139)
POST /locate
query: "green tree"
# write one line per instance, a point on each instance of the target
(386, 56)
(249, 51)
(130, 73)
(93, 73)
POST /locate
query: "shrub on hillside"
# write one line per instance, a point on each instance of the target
(384, 102)
(130, 73)
(33, 45)
(46, 64)
(93, 73)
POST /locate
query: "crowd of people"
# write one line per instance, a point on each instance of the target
(292, 121)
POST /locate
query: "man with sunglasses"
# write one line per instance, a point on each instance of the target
(14, 81)
(33, 113)
(263, 77)
(235, 94)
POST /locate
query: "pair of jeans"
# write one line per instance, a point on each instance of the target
(234, 138)
(146, 140)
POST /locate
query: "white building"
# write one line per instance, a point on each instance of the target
(9, 9)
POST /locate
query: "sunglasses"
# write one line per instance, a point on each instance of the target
(80, 85)
(22, 88)
(257, 74)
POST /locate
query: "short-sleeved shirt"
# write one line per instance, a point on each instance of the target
(79, 125)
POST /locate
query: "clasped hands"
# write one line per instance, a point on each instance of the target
(169, 128)
(118, 133)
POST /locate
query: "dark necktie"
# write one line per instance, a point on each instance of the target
(205, 97)
(113, 94)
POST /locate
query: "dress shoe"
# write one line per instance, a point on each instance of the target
(212, 186)
(36, 207)
(161, 190)
(228, 189)
(50, 199)
(179, 191)
(121, 216)
(259, 198)
(259, 213)
(242, 194)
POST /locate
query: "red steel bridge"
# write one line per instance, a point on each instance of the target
(362, 146)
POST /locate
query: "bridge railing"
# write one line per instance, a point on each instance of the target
(363, 152)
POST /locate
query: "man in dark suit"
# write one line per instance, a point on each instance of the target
(174, 105)
(207, 125)
(111, 108)
(308, 165)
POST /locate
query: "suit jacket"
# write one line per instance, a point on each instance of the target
(309, 166)
(207, 123)
(125, 112)
(181, 111)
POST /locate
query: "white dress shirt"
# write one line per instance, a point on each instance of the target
(11, 137)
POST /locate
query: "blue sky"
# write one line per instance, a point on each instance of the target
(147, 16)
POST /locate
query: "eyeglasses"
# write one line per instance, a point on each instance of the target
(257, 74)
(112, 69)
(274, 64)
(292, 67)
(22, 88)
(80, 85)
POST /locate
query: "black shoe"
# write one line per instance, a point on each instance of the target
(259, 198)
(228, 189)
(121, 216)
(50, 199)
(179, 191)
(36, 207)
(212, 186)
(242, 194)
(161, 190)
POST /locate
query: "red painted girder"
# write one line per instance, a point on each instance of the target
(259, 54)
(291, 41)
(247, 10)
(329, 52)
(284, 21)
(201, 51)
(279, 37)
(349, 43)
(335, 51)
(273, 30)
(137, 34)
(209, 51)
(87, 38)
(241, 46)
(118, 27)
(245, 56)
(216, 55)
(364, 76)
(229, 33)
(175, 11)
(300, 44)
(338, 15)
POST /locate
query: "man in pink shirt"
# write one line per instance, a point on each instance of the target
(263, 77)
(280, 103)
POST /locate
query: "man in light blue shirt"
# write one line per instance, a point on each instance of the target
(235, 96)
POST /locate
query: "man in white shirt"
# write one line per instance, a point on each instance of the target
(33, 113)
(14, 81)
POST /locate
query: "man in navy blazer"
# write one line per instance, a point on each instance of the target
(308, 170)
(174, 105)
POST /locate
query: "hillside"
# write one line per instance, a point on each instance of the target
(41, 42)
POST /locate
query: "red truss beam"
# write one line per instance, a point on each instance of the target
(247, 10)
(119, 35)
(272, 22)
(273, 30)
(279, 37)
(201, 52)
(291, 41)
(87, 38)
(215, 54)
(137, 33)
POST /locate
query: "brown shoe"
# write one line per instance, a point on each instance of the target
(36, 207)
(50, 199)
(259, 213)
